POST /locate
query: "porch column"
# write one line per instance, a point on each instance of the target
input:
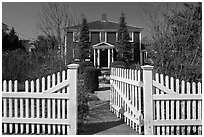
(98, 58)
(112, 59)
(109, 58)
(94, 57)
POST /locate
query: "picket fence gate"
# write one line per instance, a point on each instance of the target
(156, 105)
(47, 106)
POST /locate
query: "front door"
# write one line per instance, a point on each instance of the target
(103, 57)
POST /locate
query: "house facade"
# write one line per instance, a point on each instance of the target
(103, 40)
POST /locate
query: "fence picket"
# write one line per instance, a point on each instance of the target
(167, 104)
(188, 109)
(38, 105)
(183, 106)
(10, 107)
(49, 104)
(162, 104)
(32, 106)
(199, 109)
(26, 105)
(58, 80)
(177, 107)
(16, 105)
(172, 104)
(194, 106)
(43, 104)
(157, 104)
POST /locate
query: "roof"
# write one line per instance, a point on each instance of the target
(103, 45)
(105, 25)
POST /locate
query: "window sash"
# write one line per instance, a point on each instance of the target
(103, 36)
(76, 36)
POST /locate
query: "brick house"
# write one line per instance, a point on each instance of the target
(103, 39)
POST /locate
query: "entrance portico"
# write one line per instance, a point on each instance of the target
(103, 55)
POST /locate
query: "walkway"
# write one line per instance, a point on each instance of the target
(101, 121)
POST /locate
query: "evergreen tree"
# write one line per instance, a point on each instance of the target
(10, 41)
(84, 44)
(123, 47)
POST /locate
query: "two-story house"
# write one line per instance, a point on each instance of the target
(103, 40)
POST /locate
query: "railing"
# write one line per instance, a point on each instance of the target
(47, 106)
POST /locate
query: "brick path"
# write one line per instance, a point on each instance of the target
(101, 121)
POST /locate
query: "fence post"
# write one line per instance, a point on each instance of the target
(73, 68)
(148, 102)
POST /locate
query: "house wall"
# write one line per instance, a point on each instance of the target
(95, 38)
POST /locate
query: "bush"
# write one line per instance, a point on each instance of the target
(83, 98)
(17, 65)
(135, 66)
(83, 65)
(91, 81)
(118, 64)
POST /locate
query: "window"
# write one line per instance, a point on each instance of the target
(103, 36)
(131, 36)
(76, 36)
(89, 36)
(116, 36)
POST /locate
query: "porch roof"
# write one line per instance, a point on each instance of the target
(103, 45)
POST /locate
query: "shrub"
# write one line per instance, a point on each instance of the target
(118, 64)
(91, 81)
(83, 65)
(16, 65)
(83, 98)
(135, 66)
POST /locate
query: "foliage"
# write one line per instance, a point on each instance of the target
(83, 65)
(16, 65)
(10, 41)
(83, 98)
(118, 64)
(91, 81)
(84, 45)
(177, 50)
(123, 46)
(135, 66)
(44, 60)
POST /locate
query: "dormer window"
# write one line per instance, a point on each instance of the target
(103, 36)
(76, 36)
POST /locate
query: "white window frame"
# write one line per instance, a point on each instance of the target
(89, 36)
(74, 33)
(131, 37)
(105, 37)
(130, 33)
(116, 36)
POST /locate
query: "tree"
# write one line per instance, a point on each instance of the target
(175, 45)
(10, 41)
(123, 47)
(186, 28)
(84, 44)
(54, 19)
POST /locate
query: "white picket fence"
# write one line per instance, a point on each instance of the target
(177, 106)
(47, 106)
(168, 106)
(126, 96)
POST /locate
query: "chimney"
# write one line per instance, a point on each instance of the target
(104, 17)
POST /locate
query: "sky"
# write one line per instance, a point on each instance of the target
(24, 16)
